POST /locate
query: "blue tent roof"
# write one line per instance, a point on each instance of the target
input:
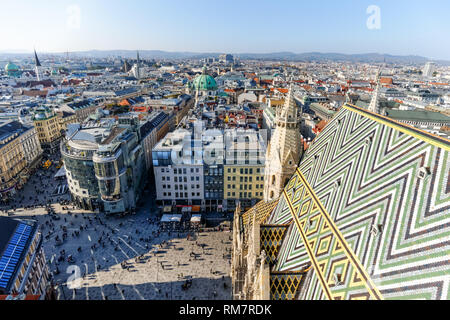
(12, 254)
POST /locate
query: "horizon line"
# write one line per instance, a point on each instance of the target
(26, 51)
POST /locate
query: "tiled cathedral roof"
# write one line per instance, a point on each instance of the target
(369, 209)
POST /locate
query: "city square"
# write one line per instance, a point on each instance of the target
(132, 260)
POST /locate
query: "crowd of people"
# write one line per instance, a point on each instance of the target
(65, 230)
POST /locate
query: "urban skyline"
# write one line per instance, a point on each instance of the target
(153, 175)
(402, 28)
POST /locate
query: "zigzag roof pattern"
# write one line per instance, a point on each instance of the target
(261, 210)
(369, 209)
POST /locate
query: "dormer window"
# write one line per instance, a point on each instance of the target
(423, 173)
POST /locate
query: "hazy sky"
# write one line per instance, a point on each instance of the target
(416, 27)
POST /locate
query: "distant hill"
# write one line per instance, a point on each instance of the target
(277, 56)
(318, 56)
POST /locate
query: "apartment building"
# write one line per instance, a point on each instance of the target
(245, 152)
(179, 171)
(20, 152)
(152, 129)
(48, 129)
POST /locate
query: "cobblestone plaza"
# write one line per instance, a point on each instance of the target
(124, 258)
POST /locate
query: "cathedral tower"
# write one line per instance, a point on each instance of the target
(284, 150)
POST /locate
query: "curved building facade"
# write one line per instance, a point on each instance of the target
(110, 172)
(105, 165)
(83, 186)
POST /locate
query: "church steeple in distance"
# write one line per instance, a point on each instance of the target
(37, 65)
(138, 66)
(36, 60)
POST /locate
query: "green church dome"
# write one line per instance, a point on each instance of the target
(204, 82)
(12, 70)
(11, 67)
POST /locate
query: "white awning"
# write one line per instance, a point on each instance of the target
(171, 218)
(196, 218)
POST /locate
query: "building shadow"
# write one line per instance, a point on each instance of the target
(199, 289)
(128, 248)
